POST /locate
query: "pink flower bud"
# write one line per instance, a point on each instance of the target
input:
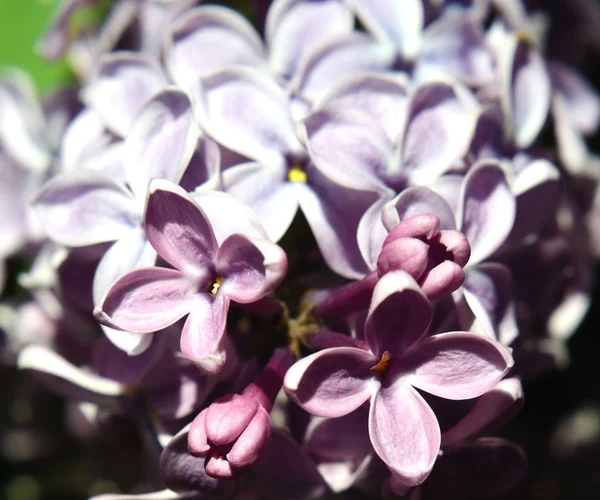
(432, 257)
(231, 433)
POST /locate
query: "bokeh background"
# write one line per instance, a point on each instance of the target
(559, 426)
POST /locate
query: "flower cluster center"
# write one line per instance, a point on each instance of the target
(382, 365)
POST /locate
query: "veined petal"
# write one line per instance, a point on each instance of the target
(179, 231)
(295, 27)
(332, 382)
(487, 209)
(400, 23)
(210, 38)
(83, 208)
(124, 83)
(161, 141)
(252, 267)
(247, 112)
(399, 315)
(203, 338)
(146, 300)
(457, 365)
(404, 432)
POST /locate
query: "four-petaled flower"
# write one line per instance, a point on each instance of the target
(397, 359)
(206, 278)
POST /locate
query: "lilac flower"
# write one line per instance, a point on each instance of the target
(396, 360)
(206, 278)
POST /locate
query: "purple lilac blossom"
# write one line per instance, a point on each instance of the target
(442, 228)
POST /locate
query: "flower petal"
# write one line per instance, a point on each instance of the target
(489, 293)
(247, 112)
(179, 231)
(81, 208)
(265, 189)
(295, 27)
(229, 215)
(252, 267)
(438, 131)
(161, 141)
(457, 365)
(399, 23)
(124, 83)
(404, 432)
(203, 338)
(146, 300)
(399, 315)
(207, 39)
(69, 379)
(332, 382)
(333, 213)
(414, 201)
(381, 96)
(487, 209)
(331, 63)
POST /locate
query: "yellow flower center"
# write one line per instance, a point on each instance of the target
(296, 174)
(382, 365)
(216, 285)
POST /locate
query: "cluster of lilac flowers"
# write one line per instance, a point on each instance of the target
(314, 260)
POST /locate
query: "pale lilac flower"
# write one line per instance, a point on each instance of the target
(206, 278)
(396, 360)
